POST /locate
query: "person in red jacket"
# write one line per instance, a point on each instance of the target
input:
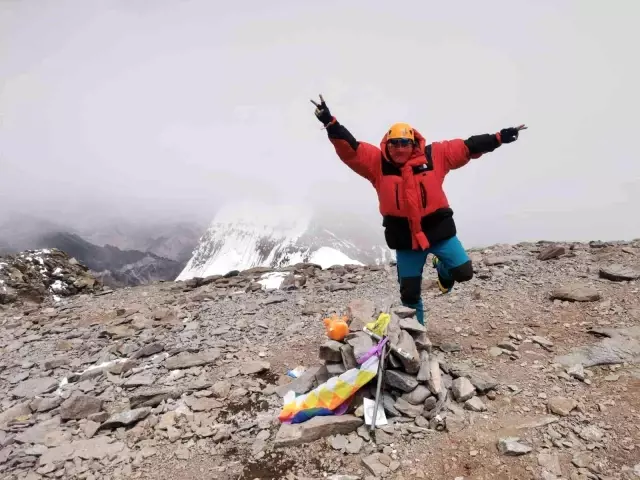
(408, 174)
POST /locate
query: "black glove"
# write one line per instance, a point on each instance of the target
(508, 135)
(322, 112)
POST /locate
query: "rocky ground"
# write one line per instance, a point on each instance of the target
(36, 275)
(185, 380)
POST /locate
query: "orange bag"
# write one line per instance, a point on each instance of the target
(337, 327)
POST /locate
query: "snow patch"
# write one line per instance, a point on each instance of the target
(327, 257)
(272, 280)
(57, 286)
(61, 386)
(153, 362)
(103, 365)
(2, 286)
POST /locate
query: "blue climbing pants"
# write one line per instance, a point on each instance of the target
(453, 265)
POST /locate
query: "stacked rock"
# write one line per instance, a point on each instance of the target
(421, 384)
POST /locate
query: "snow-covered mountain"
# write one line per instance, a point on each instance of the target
(248, 234)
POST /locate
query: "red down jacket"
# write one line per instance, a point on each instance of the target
(412, 202)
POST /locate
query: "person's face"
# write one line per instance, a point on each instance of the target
(400, 150)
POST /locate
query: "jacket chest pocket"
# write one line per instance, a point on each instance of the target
(391, 195)
(421, 181)
(423, 195)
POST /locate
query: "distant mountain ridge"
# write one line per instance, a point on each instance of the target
(175, 241)
(111, 265)
(114, 264)
(169, 239)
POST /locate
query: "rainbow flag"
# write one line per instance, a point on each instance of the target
(332, 397)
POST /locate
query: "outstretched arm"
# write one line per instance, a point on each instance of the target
(458, 152)
(361, 157)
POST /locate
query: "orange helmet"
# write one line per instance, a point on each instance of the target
(401, 130)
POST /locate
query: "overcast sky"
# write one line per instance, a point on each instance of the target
(168, 107)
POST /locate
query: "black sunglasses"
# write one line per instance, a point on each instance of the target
(400, 142)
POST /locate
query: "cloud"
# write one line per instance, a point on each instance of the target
(171, 108)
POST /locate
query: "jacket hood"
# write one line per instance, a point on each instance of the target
(417, 151)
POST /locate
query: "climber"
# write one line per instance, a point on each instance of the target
(408, 174)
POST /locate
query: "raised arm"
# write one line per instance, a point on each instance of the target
(361, 157)
(457, 153)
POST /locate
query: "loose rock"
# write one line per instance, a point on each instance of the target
(315, 428)
(188, 360)
(80, 406)
(462, 389)
(619, 273)
(561, 405)
(128, 417)
(576, 293)
(513, 447)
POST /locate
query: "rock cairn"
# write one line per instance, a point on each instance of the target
(426, 388)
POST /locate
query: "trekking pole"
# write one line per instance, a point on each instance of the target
(386, 308)
(383, 358)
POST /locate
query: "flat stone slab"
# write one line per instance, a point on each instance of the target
(619, 273)
(34, 387)
(93, 448)
(576, 293)
(188, 360)
(316, 428)
(619, 346)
